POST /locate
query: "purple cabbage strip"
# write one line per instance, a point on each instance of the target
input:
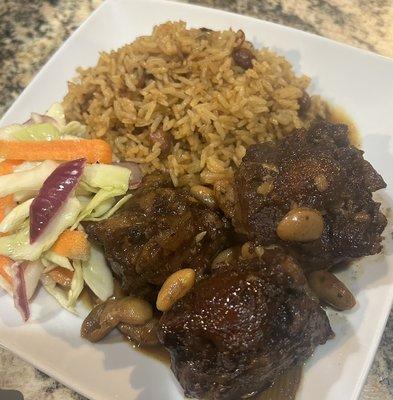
(19, 288)
(53, 194)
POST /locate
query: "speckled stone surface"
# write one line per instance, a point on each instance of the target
(30, 31)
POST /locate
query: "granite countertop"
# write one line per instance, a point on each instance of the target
(30, 31)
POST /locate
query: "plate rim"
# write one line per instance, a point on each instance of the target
(41, 72)
(107, 3)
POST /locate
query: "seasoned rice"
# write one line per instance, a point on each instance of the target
(183, 83)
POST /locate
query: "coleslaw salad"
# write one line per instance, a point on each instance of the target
(45, 195)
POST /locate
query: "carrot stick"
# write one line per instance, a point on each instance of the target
(62, 276)
(94, 150)
(73, 244)
(4, 263)
(7, 166)
(7, 203)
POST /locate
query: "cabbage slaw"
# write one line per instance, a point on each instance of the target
(100, 191)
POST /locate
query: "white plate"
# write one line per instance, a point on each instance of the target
(359, 81)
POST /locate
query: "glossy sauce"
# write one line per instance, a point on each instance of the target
(339, 115)
(159, 353)
(285, 387)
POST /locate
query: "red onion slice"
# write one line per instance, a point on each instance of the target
(53, 194)
(19, 288)
(136, 173)
(41, 118)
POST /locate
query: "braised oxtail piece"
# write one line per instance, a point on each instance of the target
(311, 192)
(237, 331)
(158, 232)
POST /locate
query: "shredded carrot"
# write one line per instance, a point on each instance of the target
(94, 150)
(62, 276)
(73, 244)
(7, 203)
(5, 262)
(7, 166)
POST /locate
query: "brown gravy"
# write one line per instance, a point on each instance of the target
(339, 115)
(285, 387)
(159, 353)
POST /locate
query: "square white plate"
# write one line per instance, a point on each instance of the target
(359, 81)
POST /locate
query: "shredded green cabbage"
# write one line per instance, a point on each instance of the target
(76, 284)
(85, 189)
(36, 132)
(59, 294)
(56, 112)
(18, 247)
(53, 128)
(32, 276)
(57, 259)
(6, 286)
(105, 176)
(67, 299)
(110, 181)
(15, 217)
(97, 193)
(24, 195)
(32, 179)
(111, 211)
(97, 274)
(99, 197)
(7, 132)
(73, 128)
(26, 166)
(47, 264)
(103, 208)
